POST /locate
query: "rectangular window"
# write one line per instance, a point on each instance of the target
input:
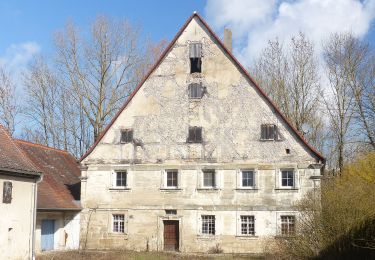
(209, 178)
(247, 225)
(287, 178)
(126, 136)
(195, 134)
(118, 223)
(248, 178)
(287, 225)
(208, 224)
(172, 178)
(7, 192)
(121, 179)
(195, 91)
(269, 132)
(195, 55)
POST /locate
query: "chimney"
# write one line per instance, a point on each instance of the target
(228, 39)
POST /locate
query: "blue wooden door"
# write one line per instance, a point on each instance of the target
(48, 230)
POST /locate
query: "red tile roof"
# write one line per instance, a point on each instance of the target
(12, 158)
(60, 188)
(237, 63)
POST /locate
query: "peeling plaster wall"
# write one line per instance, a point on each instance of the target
(230, 113)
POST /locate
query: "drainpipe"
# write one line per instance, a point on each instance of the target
(35, 189)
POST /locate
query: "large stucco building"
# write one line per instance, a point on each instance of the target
(18, 182)
(197, 158)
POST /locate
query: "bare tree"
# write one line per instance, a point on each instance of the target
(8, 105)
(339, 100)
(290, 77)
(360, 75)
(101, 69)
(42, 101)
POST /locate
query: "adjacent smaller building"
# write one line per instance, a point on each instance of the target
(58, 203)
(18, 181)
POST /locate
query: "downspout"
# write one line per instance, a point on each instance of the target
(35, 188)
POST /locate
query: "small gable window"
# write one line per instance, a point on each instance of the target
(7, 192)
(196, 91)
(126, 136)
(269, 132)
(195, 55)
(195, 134)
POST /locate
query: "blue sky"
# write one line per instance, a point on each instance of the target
(27, 27)
(36, 21)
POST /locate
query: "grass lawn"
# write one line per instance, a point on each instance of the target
(101, 255)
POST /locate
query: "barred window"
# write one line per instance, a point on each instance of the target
(195, 91)
(248, 178)
(118, 223)
(172, 178)
(247, 225)
(195, 134)
(127, 136)
(121, 179)
(209, 178)
(287, 178)
(195, 55)
(287, 225)
(208, 224)
(7, 192)
(269, 132)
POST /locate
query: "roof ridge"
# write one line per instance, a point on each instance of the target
(237, 63)
(40, 145)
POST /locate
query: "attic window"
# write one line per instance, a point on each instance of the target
(195, 134)
(196, 91)
(126, 136)
(269, 132)
(195, 55)
(7, 192)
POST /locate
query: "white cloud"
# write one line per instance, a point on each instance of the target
(17, 56)
(15, 60)
(254, 22)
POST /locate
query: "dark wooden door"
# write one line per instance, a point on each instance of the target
(171, 235)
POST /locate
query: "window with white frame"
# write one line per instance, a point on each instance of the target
(247, 225)
(248, 178)
(208, 224)
(209, 178)
(118, 223)
(172, 178)
(288, 225)
(120, 179)
(287, 178)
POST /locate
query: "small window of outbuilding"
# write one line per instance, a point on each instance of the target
(195, 134)
(7, 192)
(126, 136)
(269, 132)
(195, 55)
(196, 91)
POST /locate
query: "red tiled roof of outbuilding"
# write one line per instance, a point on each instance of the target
(60, 188)
(12, 158)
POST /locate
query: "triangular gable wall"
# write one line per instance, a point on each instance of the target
(315, 153)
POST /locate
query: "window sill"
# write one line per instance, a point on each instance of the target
(170, 189)
(208, 189)
(206, 237)
(247, 189)
(286, 189)
(247, 237)
(119, 189)
(118, 234)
